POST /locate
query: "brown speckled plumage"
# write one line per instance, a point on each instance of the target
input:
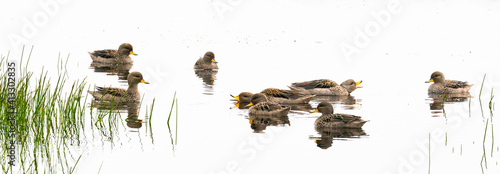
(263, 107)
(320, 83)
(345, 88)
(329, 119)
(441, 85)
(286, 96)
(122, 55)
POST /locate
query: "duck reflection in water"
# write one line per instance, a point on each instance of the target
(259, 123)
(328, 134)
(440, 99)
(208, 77)
(348, 102)
(120, 70)
(131, 107)
(132, 118)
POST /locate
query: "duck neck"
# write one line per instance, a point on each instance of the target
(123, 56)
(440, 81)
(132, 88)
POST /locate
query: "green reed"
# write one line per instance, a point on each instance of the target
(149, 122)
(483, 157)
(490, 105)
(49, 116)
(429, 169)
(480, 92)
(168, 121)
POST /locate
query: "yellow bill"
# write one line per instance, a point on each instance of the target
(251, 104)
(131, 52)
(213, 60)
(431, 80)
(142, 81)
(250, 121)
(357, 83)
(314, 111)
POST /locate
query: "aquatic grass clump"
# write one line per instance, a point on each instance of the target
(49, 117)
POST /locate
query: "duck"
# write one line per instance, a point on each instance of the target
(330, 120)
(261, 106)
(326, 87)
(206, 62)
(111, 56)
(441, 85)
(276, 95)
(118, 94)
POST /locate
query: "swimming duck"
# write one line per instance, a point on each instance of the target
(261, 106)
(275, 95)
(329, 119)
(326, 87)
(118, 94)
(441, 85)
(206, 62)
(122, 55)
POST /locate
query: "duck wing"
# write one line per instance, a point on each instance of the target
(346, 118)
(456, 84)
(321, 83)
(112, 91)
(267, 106)
(273, 92)
(105, 53)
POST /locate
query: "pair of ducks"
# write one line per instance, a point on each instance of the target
(122, 56)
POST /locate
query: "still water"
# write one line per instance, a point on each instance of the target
(274, 48)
